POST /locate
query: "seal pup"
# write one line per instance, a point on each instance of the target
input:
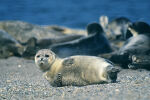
(75, 70)
(95, 43)
(115, 29)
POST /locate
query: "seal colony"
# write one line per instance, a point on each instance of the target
(75, 70)
(128, 45)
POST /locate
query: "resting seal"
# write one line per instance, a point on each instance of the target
(138, 44)
(95, 43)
(75, 70)
(117, 28)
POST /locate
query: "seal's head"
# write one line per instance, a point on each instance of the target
(112, 73)
(139, 28)
(44, 58)
(94, 28)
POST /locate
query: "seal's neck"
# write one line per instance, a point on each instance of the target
(55, 66)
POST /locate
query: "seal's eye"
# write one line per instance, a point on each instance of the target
(46, 55)
(38, 56)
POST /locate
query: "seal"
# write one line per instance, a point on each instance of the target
(138, 44)
(75, 70)
(117, 28)
(95, 43)
(33, 44)
(139, 28)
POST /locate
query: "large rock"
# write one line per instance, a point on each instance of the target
(66, 30)
(22, 31)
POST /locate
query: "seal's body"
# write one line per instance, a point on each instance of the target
(95, 43)
(75, 70)
(136, 45)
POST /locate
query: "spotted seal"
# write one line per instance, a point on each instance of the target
(75, 70)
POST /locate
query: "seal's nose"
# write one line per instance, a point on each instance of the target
(41, 59)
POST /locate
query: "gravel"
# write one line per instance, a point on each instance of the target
(20, 79)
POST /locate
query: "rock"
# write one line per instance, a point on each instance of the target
(22, 31)
(6, 38)
(8, 45)
(66, 30)
(24, 39)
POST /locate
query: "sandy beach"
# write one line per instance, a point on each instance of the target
(20, 79)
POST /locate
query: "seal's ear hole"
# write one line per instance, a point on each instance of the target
(46, 55)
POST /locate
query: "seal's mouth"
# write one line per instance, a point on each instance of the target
(41, 63)
(43, 66)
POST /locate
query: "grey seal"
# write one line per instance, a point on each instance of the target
(95, 43)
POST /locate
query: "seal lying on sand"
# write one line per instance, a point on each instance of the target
(138, 44)
(75, 70)
(95, 43)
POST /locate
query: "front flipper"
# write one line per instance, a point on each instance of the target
(58, 80)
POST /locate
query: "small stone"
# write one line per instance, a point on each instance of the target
(1, 90)
(19, 66)
(8, 81)
(117, 90)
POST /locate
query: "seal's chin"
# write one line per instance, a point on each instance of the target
(43, 67)
(44, 70)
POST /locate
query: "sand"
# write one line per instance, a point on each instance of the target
(20, 79)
